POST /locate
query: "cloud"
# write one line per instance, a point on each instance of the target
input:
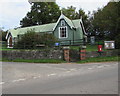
(87, 5)
(12, 12)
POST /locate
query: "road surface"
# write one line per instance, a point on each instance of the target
(31, 78)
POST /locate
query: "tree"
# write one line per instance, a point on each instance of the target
(2, 35)
(72, 14)
(117, 41)
(106, 21)
(85, 18)
(41, 13)
(31, 39)
(48, 39)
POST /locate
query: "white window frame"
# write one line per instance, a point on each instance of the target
(66, 32)
(62, 23)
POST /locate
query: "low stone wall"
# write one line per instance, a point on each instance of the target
(33, 54)
(102, 54)
(53, 54)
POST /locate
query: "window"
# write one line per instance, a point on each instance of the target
(63, 32)
(62, 23)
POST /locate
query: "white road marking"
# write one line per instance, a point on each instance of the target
(90, 68)
(100, 66)
(55, 67)
(35, 77)
(106, 65)
(2, 83)
(51, 74)
(72, 69)
(18, 80)
(68, 71)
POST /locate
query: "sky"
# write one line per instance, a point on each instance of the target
(12, 11)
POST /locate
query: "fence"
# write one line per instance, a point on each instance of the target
(72, 42)
(43, 45)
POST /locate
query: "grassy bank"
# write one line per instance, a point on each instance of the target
(35, 60)
(100, 59)
(88, 60)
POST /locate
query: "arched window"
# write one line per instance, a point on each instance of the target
(62, 23)
(63, 32)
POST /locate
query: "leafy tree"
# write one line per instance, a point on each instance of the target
(48, 39)
(106, 21)
(27, 40)
(41, 13)
(72, 14)
(85, 18)
(31, 39)
(2, 35)
(117, 41)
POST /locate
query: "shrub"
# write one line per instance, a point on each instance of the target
(30, 39)
(48, 39)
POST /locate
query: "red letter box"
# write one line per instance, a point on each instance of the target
(99, 48)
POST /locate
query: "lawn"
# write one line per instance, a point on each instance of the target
(34, 60)
(88, 60)
(88, 47)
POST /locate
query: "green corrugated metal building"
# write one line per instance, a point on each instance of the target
(67, 31)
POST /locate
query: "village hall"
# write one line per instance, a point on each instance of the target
(64, 30)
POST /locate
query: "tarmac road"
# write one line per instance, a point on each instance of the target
(30, 78)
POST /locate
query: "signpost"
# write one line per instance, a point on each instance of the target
(109, 44)
(92, 39)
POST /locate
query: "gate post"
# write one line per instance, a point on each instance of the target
(82, 53)
(66, 52)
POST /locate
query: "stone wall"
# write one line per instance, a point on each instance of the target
(33, 54)
(75, 54)
(53, 54)
(102, 54)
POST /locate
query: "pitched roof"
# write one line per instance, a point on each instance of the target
(69, 22)
(45, 27)
(38, 28)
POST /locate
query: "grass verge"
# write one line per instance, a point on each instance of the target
(35, 60)
(100, 59)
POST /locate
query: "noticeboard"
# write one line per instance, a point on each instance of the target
(109, 44)
(92, 39)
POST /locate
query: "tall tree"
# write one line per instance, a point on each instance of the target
(2, 34)
(72, 14)
(85, 18)
(106, 21)
(41, 13)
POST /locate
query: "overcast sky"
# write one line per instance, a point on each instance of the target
(12, 11)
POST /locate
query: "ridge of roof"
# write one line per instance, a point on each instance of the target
(34, 26)
(69, 22)
(46, 27)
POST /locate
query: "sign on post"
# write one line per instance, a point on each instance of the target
(109, 44)
(92, 39)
